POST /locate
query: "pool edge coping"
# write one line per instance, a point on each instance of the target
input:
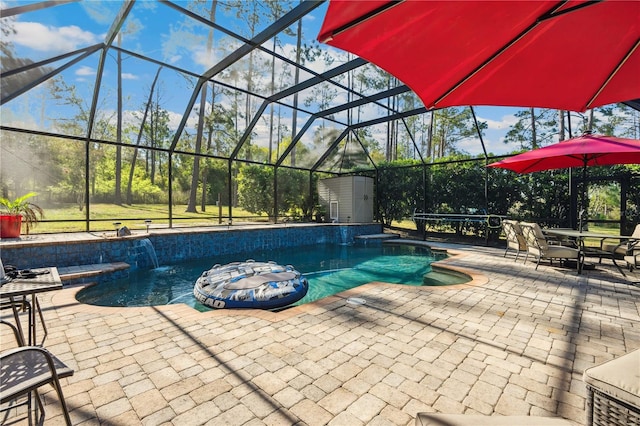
(66, 297)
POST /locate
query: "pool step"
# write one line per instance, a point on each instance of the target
(80, 273)
(376, 237)
(444, 277)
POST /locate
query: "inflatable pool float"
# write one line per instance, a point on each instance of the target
(250, 284)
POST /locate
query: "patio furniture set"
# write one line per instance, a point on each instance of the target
(613, 387)
(568, 245)
(27, 366)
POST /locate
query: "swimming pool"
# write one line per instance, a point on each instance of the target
(329, 268)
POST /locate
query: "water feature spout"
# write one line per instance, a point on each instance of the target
(344, 235)
(151, 251)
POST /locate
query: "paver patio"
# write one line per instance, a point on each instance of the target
(514, 341)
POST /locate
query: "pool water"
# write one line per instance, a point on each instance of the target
(330, 269)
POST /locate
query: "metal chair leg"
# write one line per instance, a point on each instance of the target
(44, 324)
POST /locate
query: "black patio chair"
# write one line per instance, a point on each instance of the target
(24, 369)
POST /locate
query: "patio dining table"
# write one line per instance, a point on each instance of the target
(581, 236)
(39, 281)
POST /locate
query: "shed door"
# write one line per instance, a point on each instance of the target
(362, 200)
(333, 210)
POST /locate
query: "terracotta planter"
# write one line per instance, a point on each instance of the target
(10, 226)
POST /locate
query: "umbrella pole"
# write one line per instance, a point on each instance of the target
(572, 206)
(584, 213)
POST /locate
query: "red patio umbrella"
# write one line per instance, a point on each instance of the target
(584, 151)
(569, 55)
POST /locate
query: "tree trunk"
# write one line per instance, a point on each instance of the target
(153, 126)
(203, 201)
(294, 115)
(118, 165)
(534, 136)
(248, 103)
(432, 121)
(273, 83)
(135, 152)
(195, 176)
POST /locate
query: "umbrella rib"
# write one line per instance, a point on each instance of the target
(613, 73)
(360, 19)
(572, 9)
(548, 14)
(530, 166)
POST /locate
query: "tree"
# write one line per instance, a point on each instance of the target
(293, 192)
(133, 26)
(143, 120)
(255, 189)
(533, 129)
(118, 160)
(321, 96)
(294, 114)
(191, 205)
(275, 9)
(73, 161)
(400, 189)
(157, 134)
(457, 187)
(617, 119)
(452, 125)
(251, 15)
(10, 62)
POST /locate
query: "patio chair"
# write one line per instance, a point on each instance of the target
(538, 246)
(515, 238)
(619, 249)
(633, 255)
(24, 369)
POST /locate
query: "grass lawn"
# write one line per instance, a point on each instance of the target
(103, 217)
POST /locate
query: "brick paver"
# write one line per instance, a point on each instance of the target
(515, 341)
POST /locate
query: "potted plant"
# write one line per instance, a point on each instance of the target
(321, 213)
(19, 210)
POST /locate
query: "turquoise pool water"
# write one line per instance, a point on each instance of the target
(330, 269)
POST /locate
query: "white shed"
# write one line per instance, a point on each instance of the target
(347, 198)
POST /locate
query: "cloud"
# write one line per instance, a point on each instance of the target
(51, 39)
(85, 71)
(129, 76)
(176, 117)
(201, 57)
(98, 11)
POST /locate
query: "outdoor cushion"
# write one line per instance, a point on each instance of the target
(515, 238)
(429, 419)
(620, 248)
(618, 378)
(538, 246)
(561, 252)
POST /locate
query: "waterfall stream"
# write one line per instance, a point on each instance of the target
(151, 251)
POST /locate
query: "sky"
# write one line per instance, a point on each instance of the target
(158, 31)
